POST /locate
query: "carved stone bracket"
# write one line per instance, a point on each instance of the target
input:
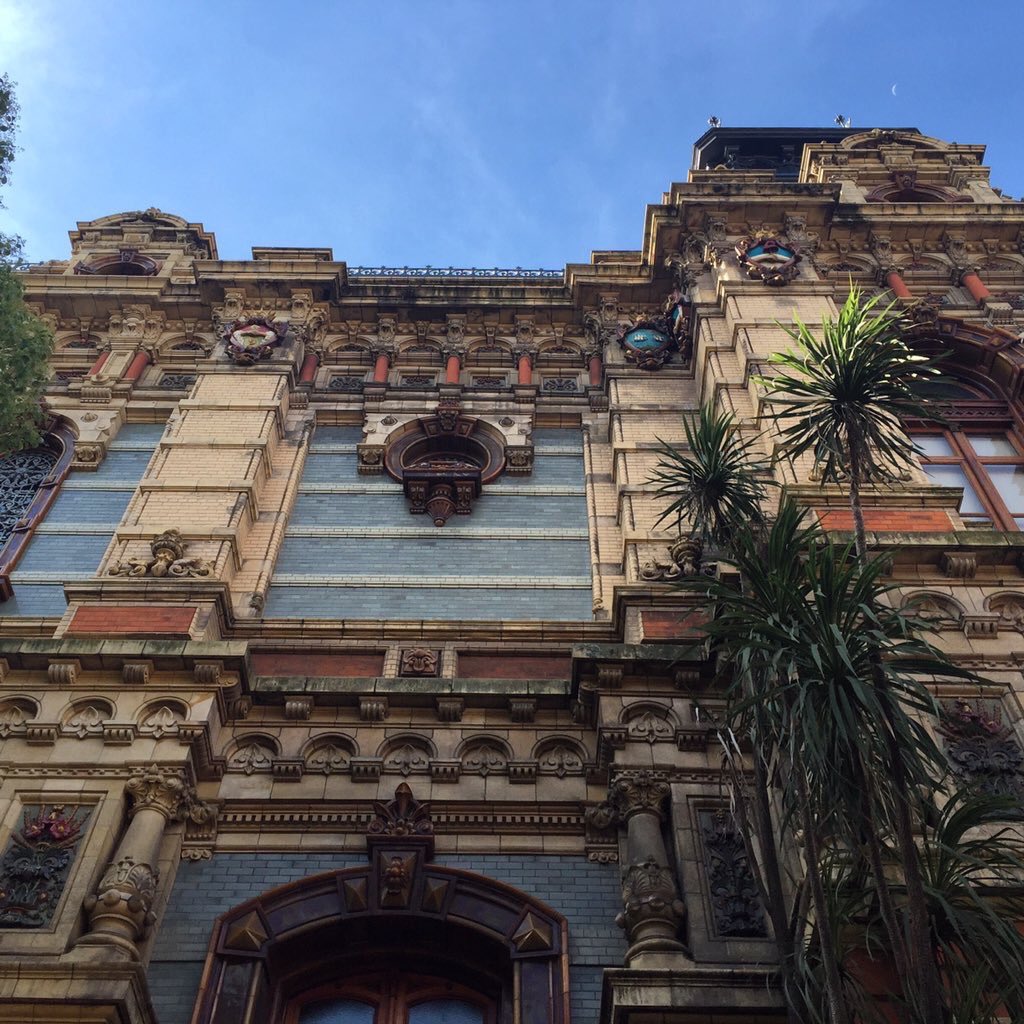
(168, 560)
(961, 565)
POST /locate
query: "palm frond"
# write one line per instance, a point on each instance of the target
(841, 396)
(715, 483)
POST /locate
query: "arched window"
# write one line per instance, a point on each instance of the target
(399, 941)
(28, 484)
(979, 446)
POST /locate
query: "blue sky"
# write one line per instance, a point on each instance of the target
(465, 133)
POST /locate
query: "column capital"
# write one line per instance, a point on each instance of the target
(632, 792)
(167, 791)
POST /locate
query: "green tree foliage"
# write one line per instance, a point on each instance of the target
(25, 342)
(825, 687)
(25, 347)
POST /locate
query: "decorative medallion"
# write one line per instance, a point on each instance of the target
(766, 259)
(37, 862)
(650, 340)
(250, 339)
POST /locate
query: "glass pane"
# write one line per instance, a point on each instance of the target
(338, 1011)
(994, 444)
(445, 1011)
(954, 476)
(1009, 481)
(939, 390)
(933, 444)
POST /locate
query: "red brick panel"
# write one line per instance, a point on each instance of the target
(133, 620)
(888, 520)
(525, 666)
(667, 625)
(357, 665)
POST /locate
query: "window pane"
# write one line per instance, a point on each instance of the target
(994, 444)
(954, 476)
(445, 1011)
(937, 390)
(1009, 481)
(933, 444)
(339, 1011)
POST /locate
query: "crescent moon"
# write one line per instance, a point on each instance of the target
(894, 89)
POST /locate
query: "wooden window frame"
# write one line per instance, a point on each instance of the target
(960, 419)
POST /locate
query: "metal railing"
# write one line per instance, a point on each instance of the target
(477, 272)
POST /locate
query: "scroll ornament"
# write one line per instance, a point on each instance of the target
(168, 560)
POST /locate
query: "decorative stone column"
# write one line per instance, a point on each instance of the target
(652, 911)
(381, 367)
(596, 368)
(137, 366)
(98, 365)
(897, 285)
(974, 284)
(453, 368)
(525, 368)
(120, 912)
(307, 373)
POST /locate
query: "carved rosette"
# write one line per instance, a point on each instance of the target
(124, 899)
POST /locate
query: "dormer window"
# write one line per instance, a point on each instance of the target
(124, 263)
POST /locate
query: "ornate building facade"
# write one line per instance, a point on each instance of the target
(341, 674)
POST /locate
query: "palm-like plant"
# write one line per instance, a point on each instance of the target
(716, 484)
(842, 394)
(840, 397)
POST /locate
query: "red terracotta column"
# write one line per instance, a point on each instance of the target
(138, 364)
(98, 365)
(454, 368)
(525, 368)
(975, 286)
(897, 285)
(381, 367)
(596, 369)
(308, 371)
